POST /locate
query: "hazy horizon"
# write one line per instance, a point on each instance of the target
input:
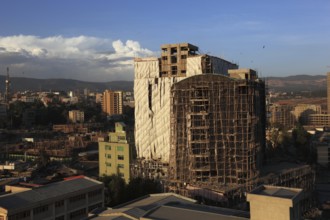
(97, 41)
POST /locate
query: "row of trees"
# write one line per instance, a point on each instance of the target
(55, 113)
(295, 145)
(118, 192)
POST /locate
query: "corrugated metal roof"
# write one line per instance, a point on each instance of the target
(39, 194)
(194, 212)
(154, 200)
(171, 206)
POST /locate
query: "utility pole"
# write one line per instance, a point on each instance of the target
(7, 95)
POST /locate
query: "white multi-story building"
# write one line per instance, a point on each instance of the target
(153, 80)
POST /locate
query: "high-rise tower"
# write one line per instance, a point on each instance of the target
(112, 102)
(153, 80)
(217, 129)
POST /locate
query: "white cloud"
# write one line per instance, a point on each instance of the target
(83, 58)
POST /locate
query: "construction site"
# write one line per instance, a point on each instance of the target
(217, 130)
(200, 127)
(153, 80)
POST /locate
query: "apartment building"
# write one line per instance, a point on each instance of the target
(72, 198)
(112, 102)
(282, 115)
(302, 112)
(116, 154)
(76, 116)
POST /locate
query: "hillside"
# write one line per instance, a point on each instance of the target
(281, 84)
(297, 83)
(22, 84)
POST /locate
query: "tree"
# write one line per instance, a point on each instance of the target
(302, 142)
(115, 190)
(118, 192)
(138, 187)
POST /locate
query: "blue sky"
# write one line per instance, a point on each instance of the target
(97, 40)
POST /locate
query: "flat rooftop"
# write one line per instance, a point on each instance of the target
(169, 206)
(277, 191)
(195, 212)
(44, 193)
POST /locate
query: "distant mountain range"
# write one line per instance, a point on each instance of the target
(287, 84)
(23, 84)
(297, 83)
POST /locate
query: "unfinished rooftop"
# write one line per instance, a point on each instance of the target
(174, 58)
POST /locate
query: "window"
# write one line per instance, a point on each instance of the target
(95, 193)
(59, 203)
(20, 215)
(120, 157)
(120, 165)
(122, 138)
(78, 213)
(174, 50)
(184, 48)
(40, 209)
(107, 147)
(108, 156)
(92, 207)
(174, 70)
(108, 164)
(77, 198)
(174, 59)
(120, 148)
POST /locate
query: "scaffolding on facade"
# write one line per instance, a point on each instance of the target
(217, 130)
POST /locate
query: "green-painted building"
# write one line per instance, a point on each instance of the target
(116, 154)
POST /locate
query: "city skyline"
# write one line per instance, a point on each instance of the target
(97, 41)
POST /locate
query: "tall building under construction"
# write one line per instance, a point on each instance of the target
(201, 120)
(154, 78)
(217, 129)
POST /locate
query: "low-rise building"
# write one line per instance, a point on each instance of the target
(303, 111)
(71, 128)
(266, 203)
(73, 198)
(318, 120)
(282, 115)
(76, 116)
(169, 206)
(273, 202)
